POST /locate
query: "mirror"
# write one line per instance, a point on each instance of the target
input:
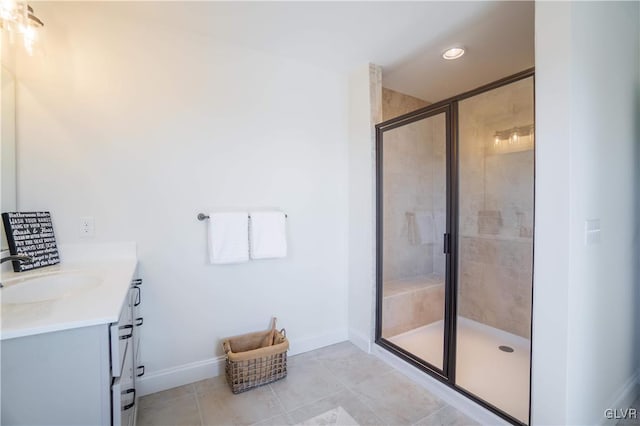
(8, 146)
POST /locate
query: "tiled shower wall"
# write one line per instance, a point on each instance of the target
(494, 282)
(413, 181)
(495, 270)
(395, 104)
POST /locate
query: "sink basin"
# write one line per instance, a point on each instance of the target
(41, 288)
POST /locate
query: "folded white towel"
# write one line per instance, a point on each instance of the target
(268, 235)
(424, 223)
(228, 237)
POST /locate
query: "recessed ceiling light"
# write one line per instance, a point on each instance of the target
(453, 53)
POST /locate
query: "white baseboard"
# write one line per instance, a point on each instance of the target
(622, 399)
(306, 344)
(360, 340)
(168, 378)
(442, 391)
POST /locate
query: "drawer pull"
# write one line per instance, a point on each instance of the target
(139, 321)
(132, 390)
(138, 296)
(125, 327)
(140, 374)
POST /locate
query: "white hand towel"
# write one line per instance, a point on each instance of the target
(424, 223)
(268, 235)
(228, 237)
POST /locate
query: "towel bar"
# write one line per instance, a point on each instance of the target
(202, 216)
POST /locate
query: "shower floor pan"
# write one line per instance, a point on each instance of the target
(498, 377)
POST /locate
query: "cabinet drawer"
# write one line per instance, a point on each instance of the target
(123, 394)
(121, 334)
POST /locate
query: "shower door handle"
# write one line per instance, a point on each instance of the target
(447, 243)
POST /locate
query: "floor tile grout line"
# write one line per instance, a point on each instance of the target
(321, 361)
(170, 399)
(297, 407)
(444, 405)
(197, 397)
(357, 397)
(284, 411)
(264, 420)
(347, 387)
(345, 384)
(424, 388)
(362, 398)
(352, 389)
(204, 391)
(364, 402)
(335, 376)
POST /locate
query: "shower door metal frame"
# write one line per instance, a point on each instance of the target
(380, 129)
(447, 374)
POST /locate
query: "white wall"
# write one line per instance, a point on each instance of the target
(552, 215)
(8, 193)
(586, 300)
(143, 127)
(365, 92)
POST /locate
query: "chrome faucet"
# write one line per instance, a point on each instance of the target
(17, 257)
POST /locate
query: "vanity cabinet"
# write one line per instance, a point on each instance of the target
(125, 356)
(78, 376)
(138, 321)
(125, 342)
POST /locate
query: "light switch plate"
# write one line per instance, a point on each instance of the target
(592, 231)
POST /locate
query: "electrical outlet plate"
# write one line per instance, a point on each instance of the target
(87, 226)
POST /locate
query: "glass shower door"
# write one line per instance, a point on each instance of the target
(495, 246)
(413, 211)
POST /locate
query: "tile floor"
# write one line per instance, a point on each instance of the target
(339, 375)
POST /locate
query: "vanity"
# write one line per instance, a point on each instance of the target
(70, 339)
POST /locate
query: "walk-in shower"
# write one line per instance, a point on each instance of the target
(455, 241)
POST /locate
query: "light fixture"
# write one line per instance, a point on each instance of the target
(17, 17)
(453, 53)
(515, 139)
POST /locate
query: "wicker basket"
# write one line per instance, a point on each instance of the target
(256, 359)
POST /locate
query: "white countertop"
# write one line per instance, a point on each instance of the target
(114, 264)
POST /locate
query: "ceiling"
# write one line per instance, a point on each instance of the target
(405, 38)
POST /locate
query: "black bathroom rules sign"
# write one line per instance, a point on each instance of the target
(31, 233)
